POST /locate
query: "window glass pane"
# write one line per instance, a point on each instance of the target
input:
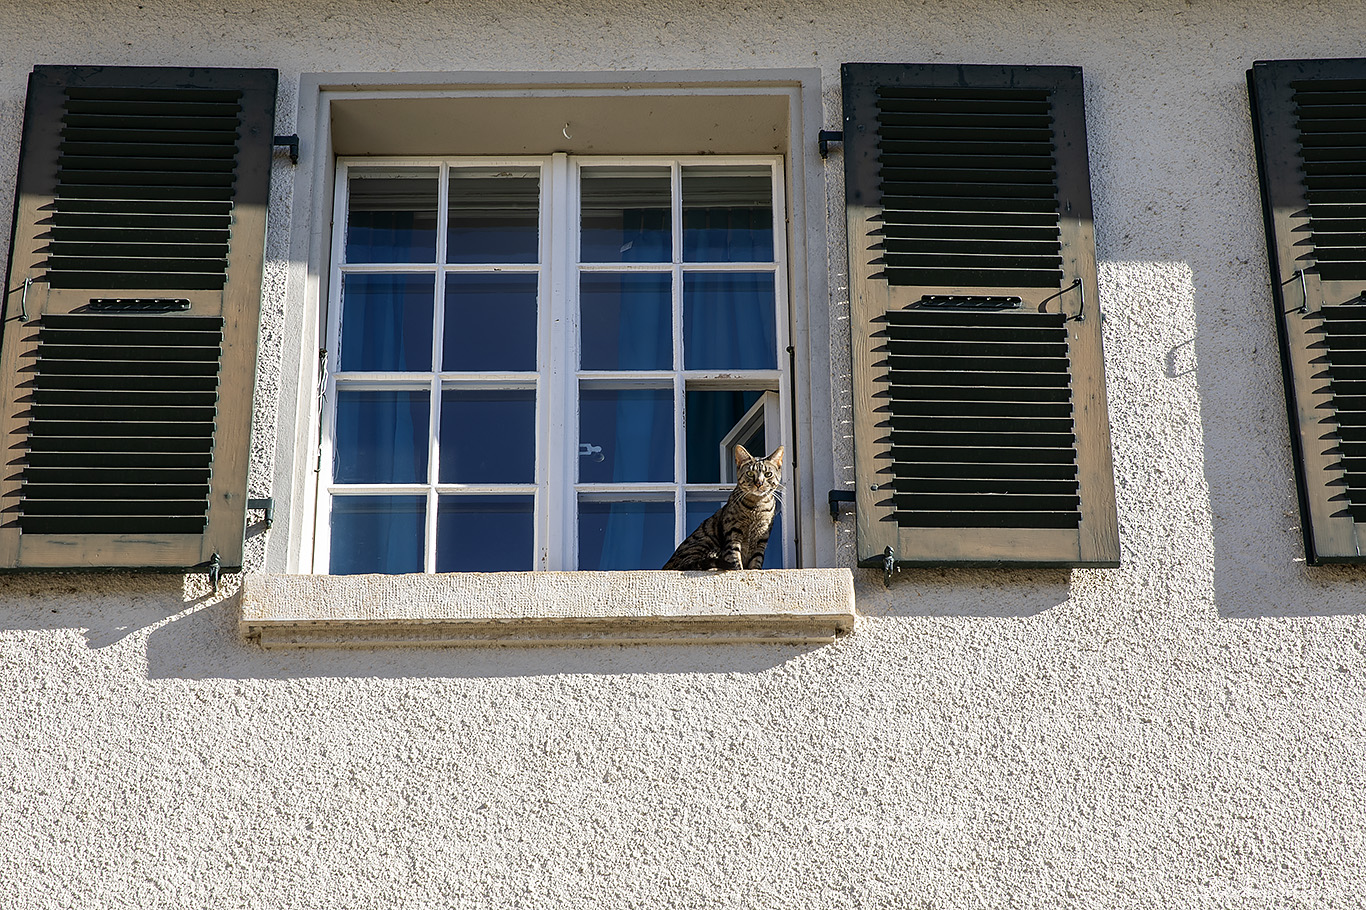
(387, 322)
(484, 533)
(626, 322)
(493, 215)
(729, 321)
(391, 214)
(381, 534)
(631, 431)
(699, 509)
(711, 416)
(625, 535)
(381, 437)
(490, 323)
(727, 214)
(488, 436)
(625, 215)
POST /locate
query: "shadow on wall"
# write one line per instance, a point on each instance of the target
(960, 592)
(1259, 563)
(190, 633)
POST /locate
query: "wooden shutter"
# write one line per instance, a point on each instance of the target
(980, 423)
(1309, 119)
(131, 316)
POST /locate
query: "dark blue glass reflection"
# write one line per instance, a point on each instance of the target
(625, 322)
(632, 431)
(488, 436)
(493, 218)
(381, 437)
(484, 534)
(377, 534)
(709, 417)
(729, 321)
(625, 535)
(727, 214)
(625, 215)
(490, 323)
(698, 510)
(387, 323)
(391, 215)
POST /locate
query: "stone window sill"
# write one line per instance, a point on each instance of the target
(780, 606)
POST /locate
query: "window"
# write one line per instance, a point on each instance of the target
(546, 363)
(981, 428)
(1309, 119)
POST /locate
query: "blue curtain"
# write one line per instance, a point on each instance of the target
(729, 321)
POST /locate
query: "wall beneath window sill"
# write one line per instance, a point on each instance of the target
(783, 606)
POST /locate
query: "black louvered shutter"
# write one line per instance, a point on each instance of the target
(981, 429)
(131, 316)
(1309, 119)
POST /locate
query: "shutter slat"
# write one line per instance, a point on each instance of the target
(177, 161)
(90, 430)
(1025, 351)
(1310, 125)
(968, 446)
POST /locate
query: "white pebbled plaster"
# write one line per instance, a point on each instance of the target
(782, 606)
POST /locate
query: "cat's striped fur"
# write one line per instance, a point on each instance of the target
(734, 537)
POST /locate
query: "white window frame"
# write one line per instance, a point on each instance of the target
(557, 379)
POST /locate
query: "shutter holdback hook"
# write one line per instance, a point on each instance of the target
(1302, 275)
(23, 301)
(1080, 315)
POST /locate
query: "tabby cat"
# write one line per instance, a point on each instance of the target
(734, 537)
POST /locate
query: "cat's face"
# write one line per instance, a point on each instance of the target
(760, 475)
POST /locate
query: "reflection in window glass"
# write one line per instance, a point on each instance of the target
(484, 534)
(710, 416)
(391, 214)
(633, 432)
(493, 216)
(488, 436)
(729, 321)
(699, 509)
(490, 323)
(625, 535)
(727, 214)
(377, 534)
(626, 322)
(386, 322)
(381, 437)
(625, 215)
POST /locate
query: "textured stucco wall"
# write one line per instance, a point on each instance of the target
(1184, 731)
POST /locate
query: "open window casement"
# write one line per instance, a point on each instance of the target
(981, 430)
(1309, 119)
(131, 315)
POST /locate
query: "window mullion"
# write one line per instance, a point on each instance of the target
(560, 389)
(680, 388)
(438, 336)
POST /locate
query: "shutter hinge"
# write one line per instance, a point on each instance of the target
(267, 505)
(825, 137)
(293, 143)
(837, 497)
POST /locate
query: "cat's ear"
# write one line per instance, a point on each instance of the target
(742, 457)
(776, 459)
